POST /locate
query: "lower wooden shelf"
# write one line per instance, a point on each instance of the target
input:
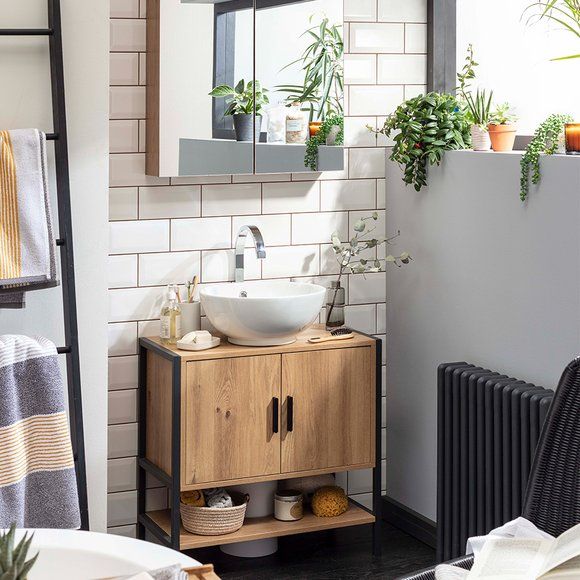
(268, 527)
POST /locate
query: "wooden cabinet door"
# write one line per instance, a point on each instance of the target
(228, 419)
(332, 395)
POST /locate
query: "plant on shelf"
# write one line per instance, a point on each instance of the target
(322, 90)
(545, 141)
(13, 562)
(502, 128)
(242, 101)
(427, 125)
(478, 106)
(565, 13)
(331, 129)
(359, 256)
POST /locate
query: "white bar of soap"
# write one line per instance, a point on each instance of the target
(198, 337)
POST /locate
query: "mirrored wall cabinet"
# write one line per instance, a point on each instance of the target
(244, 86)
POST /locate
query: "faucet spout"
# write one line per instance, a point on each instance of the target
(255, 233)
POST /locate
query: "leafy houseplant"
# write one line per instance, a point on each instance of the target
(311, 155)
(478, 105)
(545, 140)
(349, 253)
(13, 563)
(428, 126)
(502, 128)
(243, 101)
(323, 87)
(566, 13)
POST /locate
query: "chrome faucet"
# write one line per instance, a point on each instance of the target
(240, 246)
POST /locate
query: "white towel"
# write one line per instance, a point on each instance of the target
(27, 244)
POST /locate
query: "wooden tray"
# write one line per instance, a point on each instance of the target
(202, 573)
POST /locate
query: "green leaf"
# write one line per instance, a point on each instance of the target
(222, 91)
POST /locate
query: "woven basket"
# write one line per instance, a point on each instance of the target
(206, 521)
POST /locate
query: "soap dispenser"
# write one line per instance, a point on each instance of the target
(170, 317)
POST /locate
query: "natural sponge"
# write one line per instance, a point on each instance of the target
(329, 501)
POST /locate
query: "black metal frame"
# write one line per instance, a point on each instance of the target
(441, 45)
(65, 242)
(173, 481)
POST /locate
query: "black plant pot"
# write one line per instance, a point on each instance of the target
(244, 126)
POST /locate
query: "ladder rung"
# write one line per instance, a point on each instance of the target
(26, 31)
(63, 350)
(52, 136)
(60, 242)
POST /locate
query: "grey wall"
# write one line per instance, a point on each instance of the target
(494, 282)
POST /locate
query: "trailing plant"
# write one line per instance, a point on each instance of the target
(322, 90)
(349, 253)
(502, 115)
(242, 97)
(545, 140)
(13, 562)
(311, 155)
(566, 13)
(428, 126)
(478, 105)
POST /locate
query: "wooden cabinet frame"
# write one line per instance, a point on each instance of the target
(162, 384)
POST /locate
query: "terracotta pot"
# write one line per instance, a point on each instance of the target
(502, 137)
(480, 138)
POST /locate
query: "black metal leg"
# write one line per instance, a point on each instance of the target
(377, 479)
(142, 416)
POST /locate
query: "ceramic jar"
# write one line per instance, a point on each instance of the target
(288, 505)
(480, 140)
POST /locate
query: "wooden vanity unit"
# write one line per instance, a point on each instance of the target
(236, 415)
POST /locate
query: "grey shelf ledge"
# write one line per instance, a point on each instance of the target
(208, 157)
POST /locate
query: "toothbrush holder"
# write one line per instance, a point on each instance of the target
(190, 317)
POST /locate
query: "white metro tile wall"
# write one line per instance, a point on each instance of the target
(166, 230)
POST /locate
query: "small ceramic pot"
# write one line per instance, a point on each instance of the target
(480, 140)
(502, 136)
(244, 127)
(332, 135)
(190, 317)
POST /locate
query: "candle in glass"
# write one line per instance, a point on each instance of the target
(572, 138)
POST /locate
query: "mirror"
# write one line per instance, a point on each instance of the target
(244, 86)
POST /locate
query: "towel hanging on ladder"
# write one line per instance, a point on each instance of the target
(27, 244)
(38, 486)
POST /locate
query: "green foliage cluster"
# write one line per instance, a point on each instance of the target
(478, 105)
(322, 90)
(311, 155)
(241, 98)
(545, 140)
(428, 126)
(13, 562)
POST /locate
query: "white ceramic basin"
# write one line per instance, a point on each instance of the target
(76, 555)
(262, 313)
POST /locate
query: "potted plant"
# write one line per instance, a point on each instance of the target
(321, 92)
(427, 125)
(478, 106)
(330, 132)
(545, 141)
(502, 128)
(243, 101)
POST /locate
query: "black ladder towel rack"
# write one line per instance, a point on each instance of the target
(65, 242)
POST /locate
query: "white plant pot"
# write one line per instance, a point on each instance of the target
(480, 140)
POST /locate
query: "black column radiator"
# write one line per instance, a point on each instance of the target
(488, 428)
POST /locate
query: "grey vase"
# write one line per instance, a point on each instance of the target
(244, 125)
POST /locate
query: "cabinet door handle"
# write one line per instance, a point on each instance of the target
(289, 413)
(275, 414)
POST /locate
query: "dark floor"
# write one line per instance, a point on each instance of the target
(332, 555)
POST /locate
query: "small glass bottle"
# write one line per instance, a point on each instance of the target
(170, 317)
(335, 299)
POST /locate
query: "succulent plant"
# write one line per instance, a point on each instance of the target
(13, 563)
